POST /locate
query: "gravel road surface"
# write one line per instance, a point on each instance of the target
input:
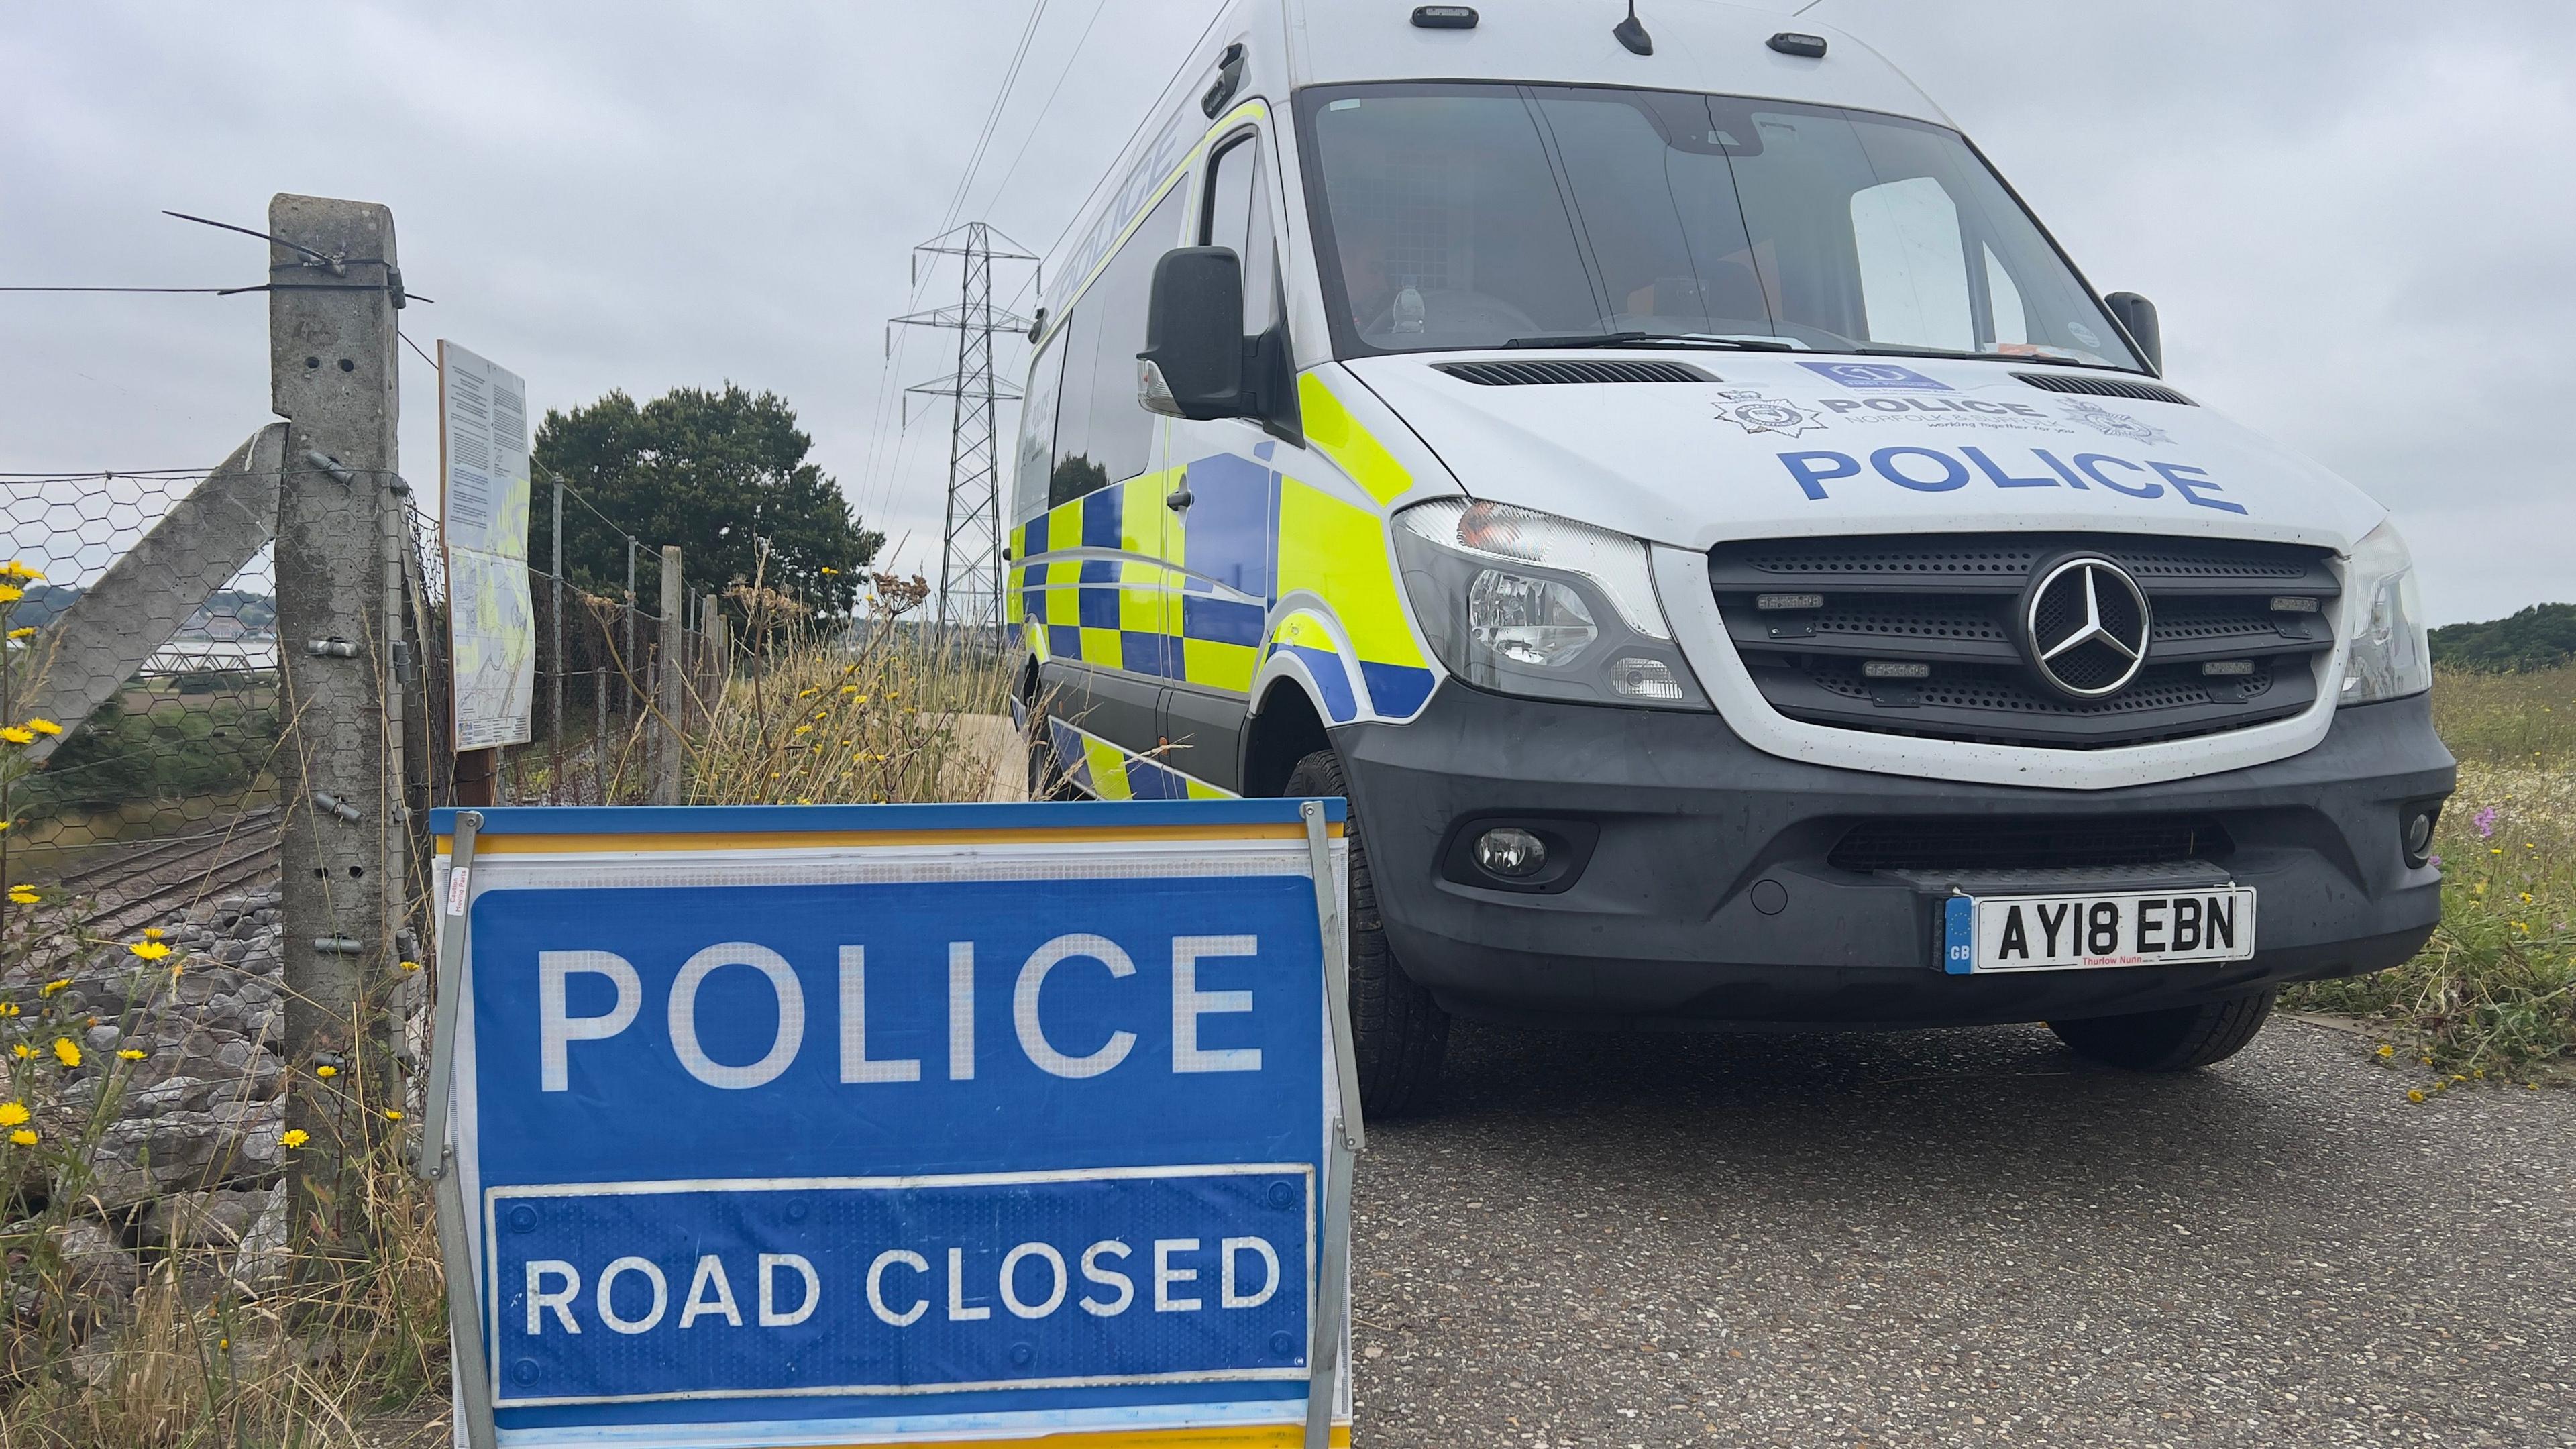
(1962, 1238)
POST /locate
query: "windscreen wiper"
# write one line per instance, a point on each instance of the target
(1654, 339)
(2042, 358)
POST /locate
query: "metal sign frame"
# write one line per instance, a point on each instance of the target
(1314, 824)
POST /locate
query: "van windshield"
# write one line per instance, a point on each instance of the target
(1453, 215)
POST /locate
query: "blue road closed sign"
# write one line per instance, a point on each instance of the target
(893, 1124)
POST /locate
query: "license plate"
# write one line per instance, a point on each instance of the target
(2103, 928)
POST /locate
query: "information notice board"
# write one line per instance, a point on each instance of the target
(911, 1124)
(483, 519)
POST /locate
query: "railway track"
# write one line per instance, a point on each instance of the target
(155, 884)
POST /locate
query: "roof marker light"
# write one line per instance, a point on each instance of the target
(1444, 17)
(1791, 42)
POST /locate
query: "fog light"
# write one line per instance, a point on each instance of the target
(1644, 679)
(2419, 836)
(1512, 853)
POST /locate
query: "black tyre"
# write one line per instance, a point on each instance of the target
(1400, 1031)
(2170, 1041)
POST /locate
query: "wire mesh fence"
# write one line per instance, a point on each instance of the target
(183, 745)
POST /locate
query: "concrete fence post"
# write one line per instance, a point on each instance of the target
(672, 676)
(333, 375)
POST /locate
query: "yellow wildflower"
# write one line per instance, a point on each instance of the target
(2386, 1050)
(66, 1051)
(23, 631)
(16, 570)
(24, 1137)
(411, 965)
(850, 689)
(44, 727)
(11, 593)
(24, 1051)
(295, 1137)
(2414, 1096)
(326, 1071)
(50, 987)
(393, 1114)
(132, 1054)
(827, 568)
(152, 933)
(12, 733)
(12, 1113)
(149, 950)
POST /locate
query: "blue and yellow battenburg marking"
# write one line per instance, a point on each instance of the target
(1101, 769)
(1117, 580)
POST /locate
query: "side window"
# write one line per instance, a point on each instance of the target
(1913, 267)
(1037, 428)
(1237, 215)
(1102, 435)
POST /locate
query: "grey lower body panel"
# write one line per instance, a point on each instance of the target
(1710, 884)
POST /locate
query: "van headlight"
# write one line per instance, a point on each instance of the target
(1529, 603)
(2391, 655)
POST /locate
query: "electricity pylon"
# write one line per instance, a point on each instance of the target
(970, 540)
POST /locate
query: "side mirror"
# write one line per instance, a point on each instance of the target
(2137, 316)
(1192, 365)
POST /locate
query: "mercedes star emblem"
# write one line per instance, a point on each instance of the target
(2085, 623)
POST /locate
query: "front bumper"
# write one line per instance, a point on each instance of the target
(1706, 897)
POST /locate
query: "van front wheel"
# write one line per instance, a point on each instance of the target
(1400, 1031)
(2170, 1041)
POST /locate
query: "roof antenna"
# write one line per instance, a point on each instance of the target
(1633, 35)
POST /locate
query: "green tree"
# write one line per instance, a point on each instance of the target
(2542, 636)
(720, 474)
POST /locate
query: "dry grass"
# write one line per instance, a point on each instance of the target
(2494, 994)
(809, 720)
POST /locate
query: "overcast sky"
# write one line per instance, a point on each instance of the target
(2346, 211)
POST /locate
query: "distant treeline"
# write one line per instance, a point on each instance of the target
(2540, 637)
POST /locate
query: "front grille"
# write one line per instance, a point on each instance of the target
(1949, 604)
(1567, 370)
(2095, 385)
(1982, 844)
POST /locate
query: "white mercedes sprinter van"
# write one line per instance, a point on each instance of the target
(1740, 572)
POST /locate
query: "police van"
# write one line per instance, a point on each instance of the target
(1739, 571)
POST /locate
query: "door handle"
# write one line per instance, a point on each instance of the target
(1179, 499)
